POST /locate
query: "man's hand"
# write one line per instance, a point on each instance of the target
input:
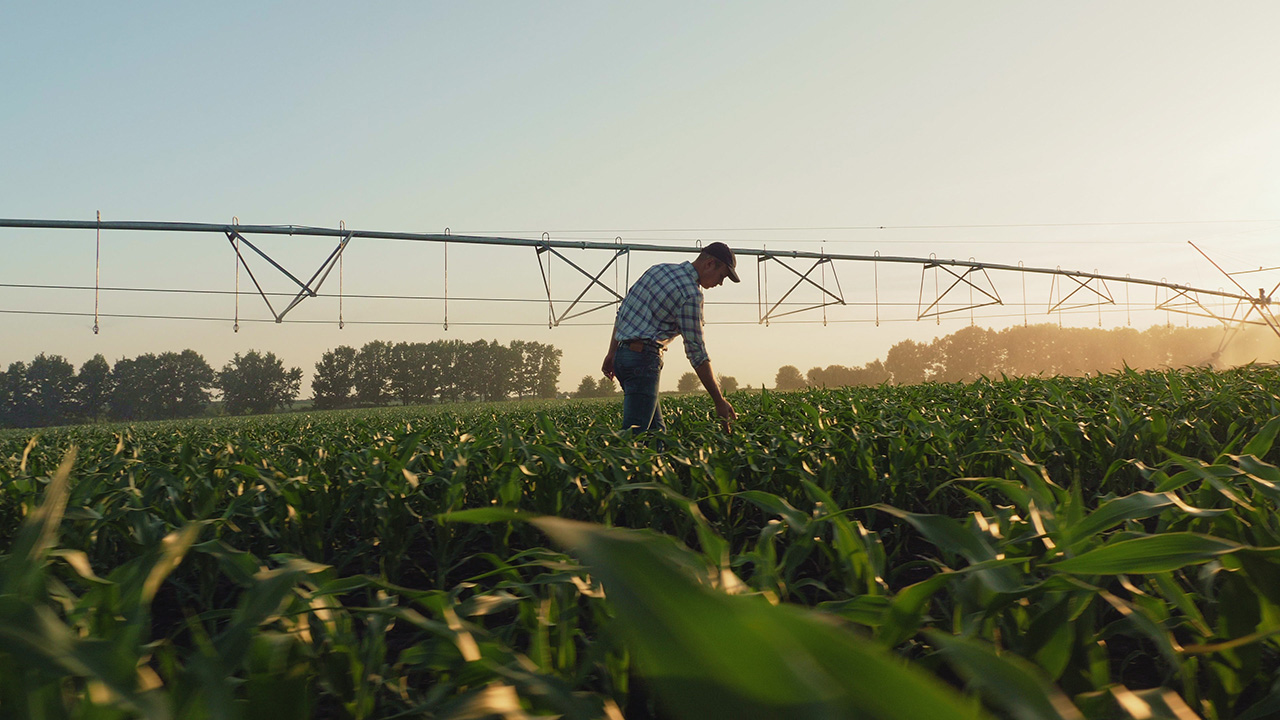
(727, 414)
(607, 367)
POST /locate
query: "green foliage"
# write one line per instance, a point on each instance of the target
(688, 382)
(1042, 349)
(1075, 547)
(257, 383)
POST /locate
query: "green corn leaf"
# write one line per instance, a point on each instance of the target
(1007, 682)
(1149, 554)
(484, 515)
(1137, 506)
(1261, 443)
(771, 503)
(711, 655)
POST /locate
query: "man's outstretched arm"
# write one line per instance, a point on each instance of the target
(723, 408)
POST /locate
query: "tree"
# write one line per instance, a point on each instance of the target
(93, 388)
(606, 387)
(587, 388)
(188, 382)
(545, 369)
(335, 378)
(789, 378)
(910, 362)
(373, 373)
(51, 388)
(16, 396)
(688, 382)
(161, 387)
(255, 383)
(728, 383)
(816, 377)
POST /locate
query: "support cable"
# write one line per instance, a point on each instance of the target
(97, 272)
(1024, 295)
(875, 277)
(342, 225)
(236, 244)
(446, 282)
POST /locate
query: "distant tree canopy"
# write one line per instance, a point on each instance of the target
(973, 352)
(256, 383)
(688, 382)
(49, 391)
(380, 373)
(591, 388)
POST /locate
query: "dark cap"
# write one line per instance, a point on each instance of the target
(721, 252)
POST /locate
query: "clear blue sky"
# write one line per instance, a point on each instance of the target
(758, 123)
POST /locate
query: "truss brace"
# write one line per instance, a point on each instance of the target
(1098, 293)
(961, 279)
(828, 297)
(306, 289)
(553, 319)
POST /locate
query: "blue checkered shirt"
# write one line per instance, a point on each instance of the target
(666, 301)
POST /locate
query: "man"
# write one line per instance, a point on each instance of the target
(666, 301)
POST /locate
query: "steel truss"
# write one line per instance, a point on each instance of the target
(1069, 289)
(762, 286)
(592, 280)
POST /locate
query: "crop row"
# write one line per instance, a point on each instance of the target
(1102, 544)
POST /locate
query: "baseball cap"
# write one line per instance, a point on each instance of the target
(721, 252)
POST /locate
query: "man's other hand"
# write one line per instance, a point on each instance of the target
(727, 414)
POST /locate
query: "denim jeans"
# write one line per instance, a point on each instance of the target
(639, 372)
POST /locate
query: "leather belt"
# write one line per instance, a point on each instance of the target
(641, 346)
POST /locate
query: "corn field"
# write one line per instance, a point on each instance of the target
(1103, 547)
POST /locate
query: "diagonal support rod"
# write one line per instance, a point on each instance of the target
(305, 289)
(934, 310)
(231, 238)
(801, 278)
(326, 267)
(1105, 294)
(593, 280)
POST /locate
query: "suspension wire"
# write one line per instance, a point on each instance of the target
(354, 296)
(446, 283)
(343, 225)
(766, 284)
(1168, 319)
(97, 272)
(905, 227)
(236, 242)
(970, 284)
(144, 316)
(936, 295)
(823, 297)
(1024, 296)
(1095, 272)
(875, 277)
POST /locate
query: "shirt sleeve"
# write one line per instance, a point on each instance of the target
(690, 319)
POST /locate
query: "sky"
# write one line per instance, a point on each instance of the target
(1087, 135)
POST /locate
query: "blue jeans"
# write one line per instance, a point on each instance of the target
(639, 372)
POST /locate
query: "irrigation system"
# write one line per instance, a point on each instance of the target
(946, 285)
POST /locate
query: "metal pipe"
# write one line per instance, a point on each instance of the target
(574, 244)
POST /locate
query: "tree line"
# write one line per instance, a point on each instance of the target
(1043, 349)
(380, 373)
(49, 390)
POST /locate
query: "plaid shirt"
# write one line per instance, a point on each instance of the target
(666, 301)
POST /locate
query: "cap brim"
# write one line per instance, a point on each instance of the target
(733, 275)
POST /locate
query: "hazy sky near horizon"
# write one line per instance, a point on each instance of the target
(1086, 135)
